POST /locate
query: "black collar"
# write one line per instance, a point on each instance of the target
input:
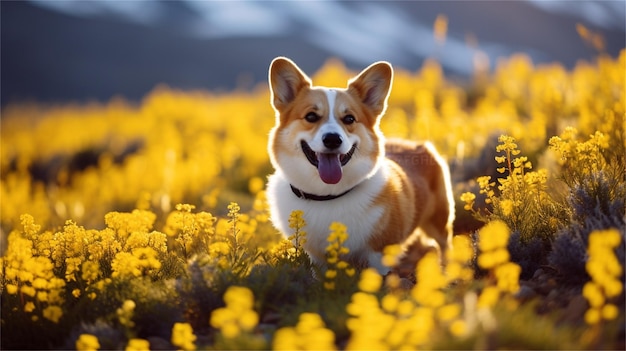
(301, 194)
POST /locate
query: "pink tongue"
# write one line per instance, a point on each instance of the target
(329, 168)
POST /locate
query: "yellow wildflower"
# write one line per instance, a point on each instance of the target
(297, 223)
(90, 271)
(370, 281)
(459, 257)
(390, 303)
(507, 276)
(604, 269)
(125, 313)
(29, 307)
(28, 290)
(309, 334)
(489, 297)
(238, 315)
(11, 289)
(468, 198)
(448, 312)
(507, 206)
(137, 345)
(183, 336)
(53, 313)
(141, 261)
(87, 342)
(391, 254)
(593, 293)
(493, 235)
(593, 316)
(334, 251)
(610, 312)
(430, 281)
(458, 328)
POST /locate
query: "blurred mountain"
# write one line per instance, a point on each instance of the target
(58, 51)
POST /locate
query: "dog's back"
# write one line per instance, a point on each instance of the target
(430, 179)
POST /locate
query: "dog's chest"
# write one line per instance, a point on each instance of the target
(360, 222)
(356, 210)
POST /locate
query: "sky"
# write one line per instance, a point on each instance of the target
(77, 49)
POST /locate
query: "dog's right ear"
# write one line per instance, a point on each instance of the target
(286, 80)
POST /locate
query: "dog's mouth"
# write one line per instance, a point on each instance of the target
(328, 164)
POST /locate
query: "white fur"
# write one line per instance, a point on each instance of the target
(353, 210)
(331, 126)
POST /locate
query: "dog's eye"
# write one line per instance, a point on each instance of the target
(312, 117)
(348, 119)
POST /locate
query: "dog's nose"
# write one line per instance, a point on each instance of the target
(332, 140)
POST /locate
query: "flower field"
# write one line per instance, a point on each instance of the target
(145, 226)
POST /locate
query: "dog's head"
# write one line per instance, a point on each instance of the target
(327, 140)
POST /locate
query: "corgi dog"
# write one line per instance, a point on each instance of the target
(332, 162)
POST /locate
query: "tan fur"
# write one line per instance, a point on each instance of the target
(417, 196)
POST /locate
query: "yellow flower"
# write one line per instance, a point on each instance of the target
(390, 303)
(391, 254)
(507, 143)
(11, 289)
(297, 222)
(238, 314)
(493, 235)
(239, 298)
(183, 336)
(592, 316)
(29, 307)
(90, 271)
(458, 328)
(462, 250)
(125, 313)
(483, 182)
(593, 294)
(53, 313)
(42, 296)
(405, 308)
(489, 297)
(296, 219)
(138, 345)
(286, 339)
(468, 198)
(604, 269)
(507, 207)
(370, 280)
(610, 312)
(309, 334)
(508, 277)
(87, 342)
(448, 312)
(233, 211)
(430, 280)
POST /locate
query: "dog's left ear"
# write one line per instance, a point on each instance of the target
(286, 80)
(372, 86)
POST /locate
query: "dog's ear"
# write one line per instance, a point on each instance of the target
(372, 86)
(286, 80)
